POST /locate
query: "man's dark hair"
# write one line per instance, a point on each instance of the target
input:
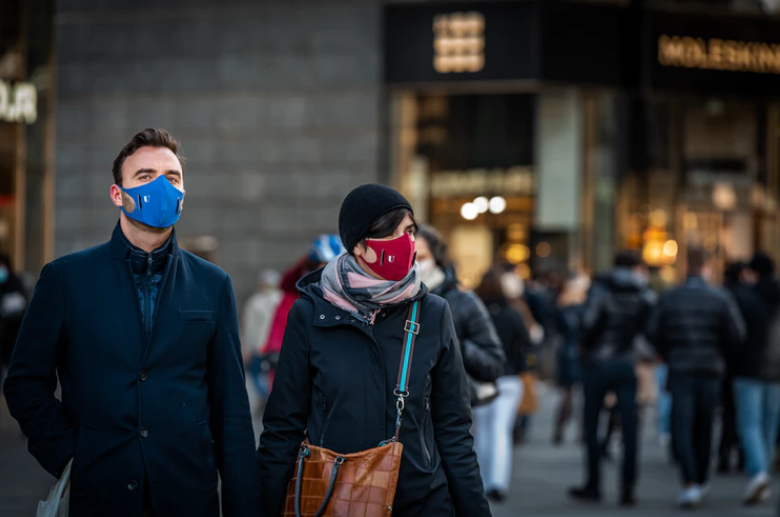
(732, 276)
(697, 259)
(147, 138)
(762, 264)
(439, 247)
(628, 258)
(386, 225)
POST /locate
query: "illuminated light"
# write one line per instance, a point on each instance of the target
(659, 218)
(516, 232)
(670, 248)
(482, 204)
(653, 252)
(543, 249)
(469, 211)
(517, 253)
(523, 271)
(690, 221)
(724, 197)
(497, 205)
(667, 274)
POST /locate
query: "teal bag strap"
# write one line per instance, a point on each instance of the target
(412, 329)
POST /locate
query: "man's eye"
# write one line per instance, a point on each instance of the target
(173, 179)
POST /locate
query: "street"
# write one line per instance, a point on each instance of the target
(542, 474)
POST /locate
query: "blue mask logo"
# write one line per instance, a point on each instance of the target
(157, 204)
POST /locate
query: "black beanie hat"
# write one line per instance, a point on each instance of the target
(361, 209)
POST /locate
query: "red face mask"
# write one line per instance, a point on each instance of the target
(394, 257)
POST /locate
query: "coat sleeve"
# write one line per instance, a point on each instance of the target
(735, 329)
(32, 377)
(231, 421)
(593, 316)
(483, 355)
(655, 328)
(286, 414)
(451, 414)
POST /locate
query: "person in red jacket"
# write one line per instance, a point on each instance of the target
(324, 249)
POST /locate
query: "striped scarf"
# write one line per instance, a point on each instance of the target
(346, 286)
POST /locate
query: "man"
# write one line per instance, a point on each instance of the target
(696, 329)
(615, 313)
(757, 377)
(143, 337)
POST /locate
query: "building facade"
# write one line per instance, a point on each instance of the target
(545, 134)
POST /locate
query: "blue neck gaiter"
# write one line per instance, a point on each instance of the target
(157, 203)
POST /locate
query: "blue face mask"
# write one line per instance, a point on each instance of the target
(157, 204)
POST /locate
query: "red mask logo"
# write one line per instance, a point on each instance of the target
(394, 257)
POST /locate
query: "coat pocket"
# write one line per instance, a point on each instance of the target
(203, 315)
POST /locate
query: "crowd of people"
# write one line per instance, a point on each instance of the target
(372, 360)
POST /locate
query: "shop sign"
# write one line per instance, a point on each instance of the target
(712, 54)
(515, 181)
(459, 42)
(18, 102)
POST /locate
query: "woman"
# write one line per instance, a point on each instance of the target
(570, 303)
(494, 422)
(483, 355)
(340, 360)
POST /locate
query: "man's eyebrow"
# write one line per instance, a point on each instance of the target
(147, 171)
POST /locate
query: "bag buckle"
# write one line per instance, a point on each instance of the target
(412, 327)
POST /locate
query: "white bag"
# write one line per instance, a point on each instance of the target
(59, 497)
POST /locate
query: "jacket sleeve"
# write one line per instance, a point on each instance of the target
(655, 328)
(231, 420)
(451, 414)
(735, 331)
(286, 414)
(483, 354)
(32, 377)
(593, 316)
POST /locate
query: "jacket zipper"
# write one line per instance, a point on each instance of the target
(324, 421)
(425, 432)
(147, 296)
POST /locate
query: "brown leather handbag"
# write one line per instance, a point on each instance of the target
(363, 484)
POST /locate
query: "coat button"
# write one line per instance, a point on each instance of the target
(322, 316)
(143, 375)
(144, 432)
(338, 318)
(132, 486)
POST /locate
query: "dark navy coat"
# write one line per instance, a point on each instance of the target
(335, 383)
(171, 413)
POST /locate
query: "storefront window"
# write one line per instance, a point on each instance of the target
(26, 139)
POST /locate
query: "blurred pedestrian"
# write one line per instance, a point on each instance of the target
(616, 312)
(258, 313)
(756, 322)
(570, 305)
(322, 250)
(696, 329)
(13, 302)
(339, 383)
(483, 355)
(143, 338)
(757, 377)
(494, 422)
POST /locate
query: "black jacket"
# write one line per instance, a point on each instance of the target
(172, 409)
(13, 302)
(749, 358)
(616, 312)
(762, 358)
(335, 384)
(512, 333)
(696, 328)
(483, 355)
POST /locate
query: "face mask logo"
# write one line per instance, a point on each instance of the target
(394, 257)
(157, 203)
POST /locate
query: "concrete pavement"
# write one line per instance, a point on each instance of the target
(542, 474)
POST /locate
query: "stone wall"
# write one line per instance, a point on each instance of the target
(277, 105)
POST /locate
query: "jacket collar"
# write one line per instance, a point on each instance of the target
(696, 281)
(119, 248)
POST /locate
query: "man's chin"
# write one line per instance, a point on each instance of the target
(148, 229)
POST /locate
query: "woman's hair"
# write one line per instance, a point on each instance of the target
(491, 288)
(386, 225)
(439, 247)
